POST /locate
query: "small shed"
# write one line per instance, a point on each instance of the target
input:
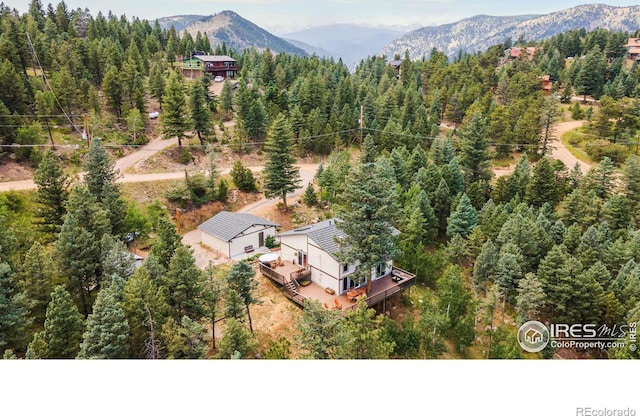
(234, 234)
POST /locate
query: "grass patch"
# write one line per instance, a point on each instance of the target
(573, 141)
(503, 162)
(147, 192)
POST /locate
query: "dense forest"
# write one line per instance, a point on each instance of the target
(546, 242)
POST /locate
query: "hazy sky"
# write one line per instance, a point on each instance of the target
(286, 15)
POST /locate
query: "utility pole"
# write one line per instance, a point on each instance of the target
(361, 124)
(86, 128)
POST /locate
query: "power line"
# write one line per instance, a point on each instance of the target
(46, 81)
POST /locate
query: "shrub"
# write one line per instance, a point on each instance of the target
(243, 177)
(598, 149)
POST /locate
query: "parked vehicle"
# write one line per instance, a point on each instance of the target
(218, 78)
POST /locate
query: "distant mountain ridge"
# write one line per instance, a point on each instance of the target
(351, 43)
(232, 29)
(478, 33)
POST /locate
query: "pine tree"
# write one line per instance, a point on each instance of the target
(107, 331)
(236, 342)
(530, 298)
(184, 284)
(280, 175)
(631, 172)
(309, 196)
(100, 178)
(542, 187)
(174, 115)
(548, 117)
(37, 280)
(367, 209)
(63, 328)
(157, 83)
(14, 320)
(241, 279)
(317, 331)
(52, 193)
(199, 113)
(484, 267)
(463, 219)
(364, 335)
(146, 310)
(166, 243)
(474, 149)
(78, 246)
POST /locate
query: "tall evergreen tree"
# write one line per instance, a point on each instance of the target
(183, 282)
(241, 278)
(37, 277)
(236, 341)
(78, 246)
(100, 178)
(107, 330)
(174, 115)
(365, 336)
(542, 187)
(52, 193)
(367, 210)
(463, 219)
(317, 334)
(63, 328)
(146, 310)
(199, 112)
(280, 175)
(474, 149)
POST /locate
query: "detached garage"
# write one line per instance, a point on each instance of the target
(234, 234)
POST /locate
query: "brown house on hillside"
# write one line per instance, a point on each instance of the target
(633, 49)
(216, 65)
(515, 53)
(547, 84)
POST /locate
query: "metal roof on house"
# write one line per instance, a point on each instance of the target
(214, 58)
(227, 225)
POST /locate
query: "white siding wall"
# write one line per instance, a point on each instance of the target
(328, 269)
(237, 245)
(215, 243)
(289, 246)
(250, 238)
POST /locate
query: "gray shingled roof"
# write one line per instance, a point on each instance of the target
(324, 234)
(226, 225)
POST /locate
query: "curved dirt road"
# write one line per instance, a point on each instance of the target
(561, 152)
(558, 150)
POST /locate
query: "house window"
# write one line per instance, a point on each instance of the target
(345, 268)
(381, 269)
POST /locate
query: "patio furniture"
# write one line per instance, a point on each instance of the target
(354, 294)
(329, 291)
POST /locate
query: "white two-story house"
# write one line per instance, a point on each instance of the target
(314, 247)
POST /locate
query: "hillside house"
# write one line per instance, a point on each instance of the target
(309, 253)
(515, 53)
(633, 49)
(397, 65)
(547, 84)
(235, 235)
(216, 65)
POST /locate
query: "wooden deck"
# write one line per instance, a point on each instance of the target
(381, 289)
